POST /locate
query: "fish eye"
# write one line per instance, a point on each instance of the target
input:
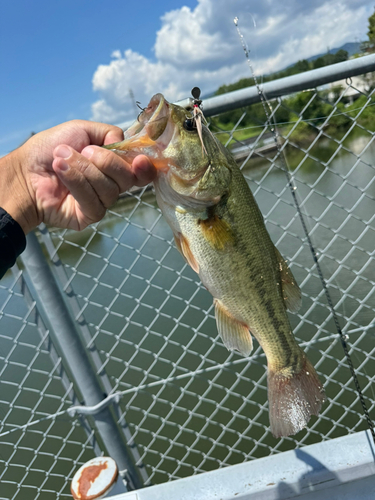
(189, 124)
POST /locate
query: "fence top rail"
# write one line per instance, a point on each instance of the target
(287, 85)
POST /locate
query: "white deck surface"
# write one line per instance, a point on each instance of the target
(342, 468)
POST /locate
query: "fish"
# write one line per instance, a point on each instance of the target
(220, 231)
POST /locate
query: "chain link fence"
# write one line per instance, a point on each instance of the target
(179, 401)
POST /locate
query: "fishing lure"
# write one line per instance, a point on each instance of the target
(198, 114)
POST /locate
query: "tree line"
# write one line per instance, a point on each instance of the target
(313, 107)
(298, 67)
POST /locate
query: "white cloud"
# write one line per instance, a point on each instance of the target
(184, 41)
(201, 47)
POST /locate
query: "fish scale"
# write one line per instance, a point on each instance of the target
(244, 271)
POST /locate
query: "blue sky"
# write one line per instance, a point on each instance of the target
(78, 59)
(49, 51)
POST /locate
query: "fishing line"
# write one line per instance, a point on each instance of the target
(272, 122)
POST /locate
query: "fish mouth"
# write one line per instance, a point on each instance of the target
(149, 134)
(152, 121)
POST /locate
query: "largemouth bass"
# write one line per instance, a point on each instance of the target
(219, 230)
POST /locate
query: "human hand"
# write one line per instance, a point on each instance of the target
(62, 178)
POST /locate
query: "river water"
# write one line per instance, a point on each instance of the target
(153, 322)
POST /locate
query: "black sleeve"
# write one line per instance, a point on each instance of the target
(12, 241)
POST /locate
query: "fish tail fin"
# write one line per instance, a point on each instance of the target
(293, 398)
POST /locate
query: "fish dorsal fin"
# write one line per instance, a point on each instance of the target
(234, 334)
(184, 247)
(217, 232)
(291, 291)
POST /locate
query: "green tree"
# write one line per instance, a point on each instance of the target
(301, 66)
(371, 29)
(341, 55)
(319, 62)
(369, 46)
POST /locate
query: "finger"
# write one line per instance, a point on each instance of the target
(81, 206)
(101, 133)
(93, 133)
(114, 135)
(144, 170)
(89, 186)
(119, 170)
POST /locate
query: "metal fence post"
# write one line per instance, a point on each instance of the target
(64, 334)
(62, 279)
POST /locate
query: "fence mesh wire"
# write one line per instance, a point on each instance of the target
(190, 405)
(39, 451)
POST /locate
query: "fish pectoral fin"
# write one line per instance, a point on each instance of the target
(234, 334)
(217, 232)
(184, 248)
(291, 291)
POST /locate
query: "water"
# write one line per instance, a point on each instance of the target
(153, 322)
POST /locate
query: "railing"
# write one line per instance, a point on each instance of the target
(108, 342)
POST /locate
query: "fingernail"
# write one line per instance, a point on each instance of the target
(62, 152)
(87, 152)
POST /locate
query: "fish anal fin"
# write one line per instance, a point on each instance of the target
(234, 334)
(184, 248)
(291, 291)
(293, 398)
(217, 232)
